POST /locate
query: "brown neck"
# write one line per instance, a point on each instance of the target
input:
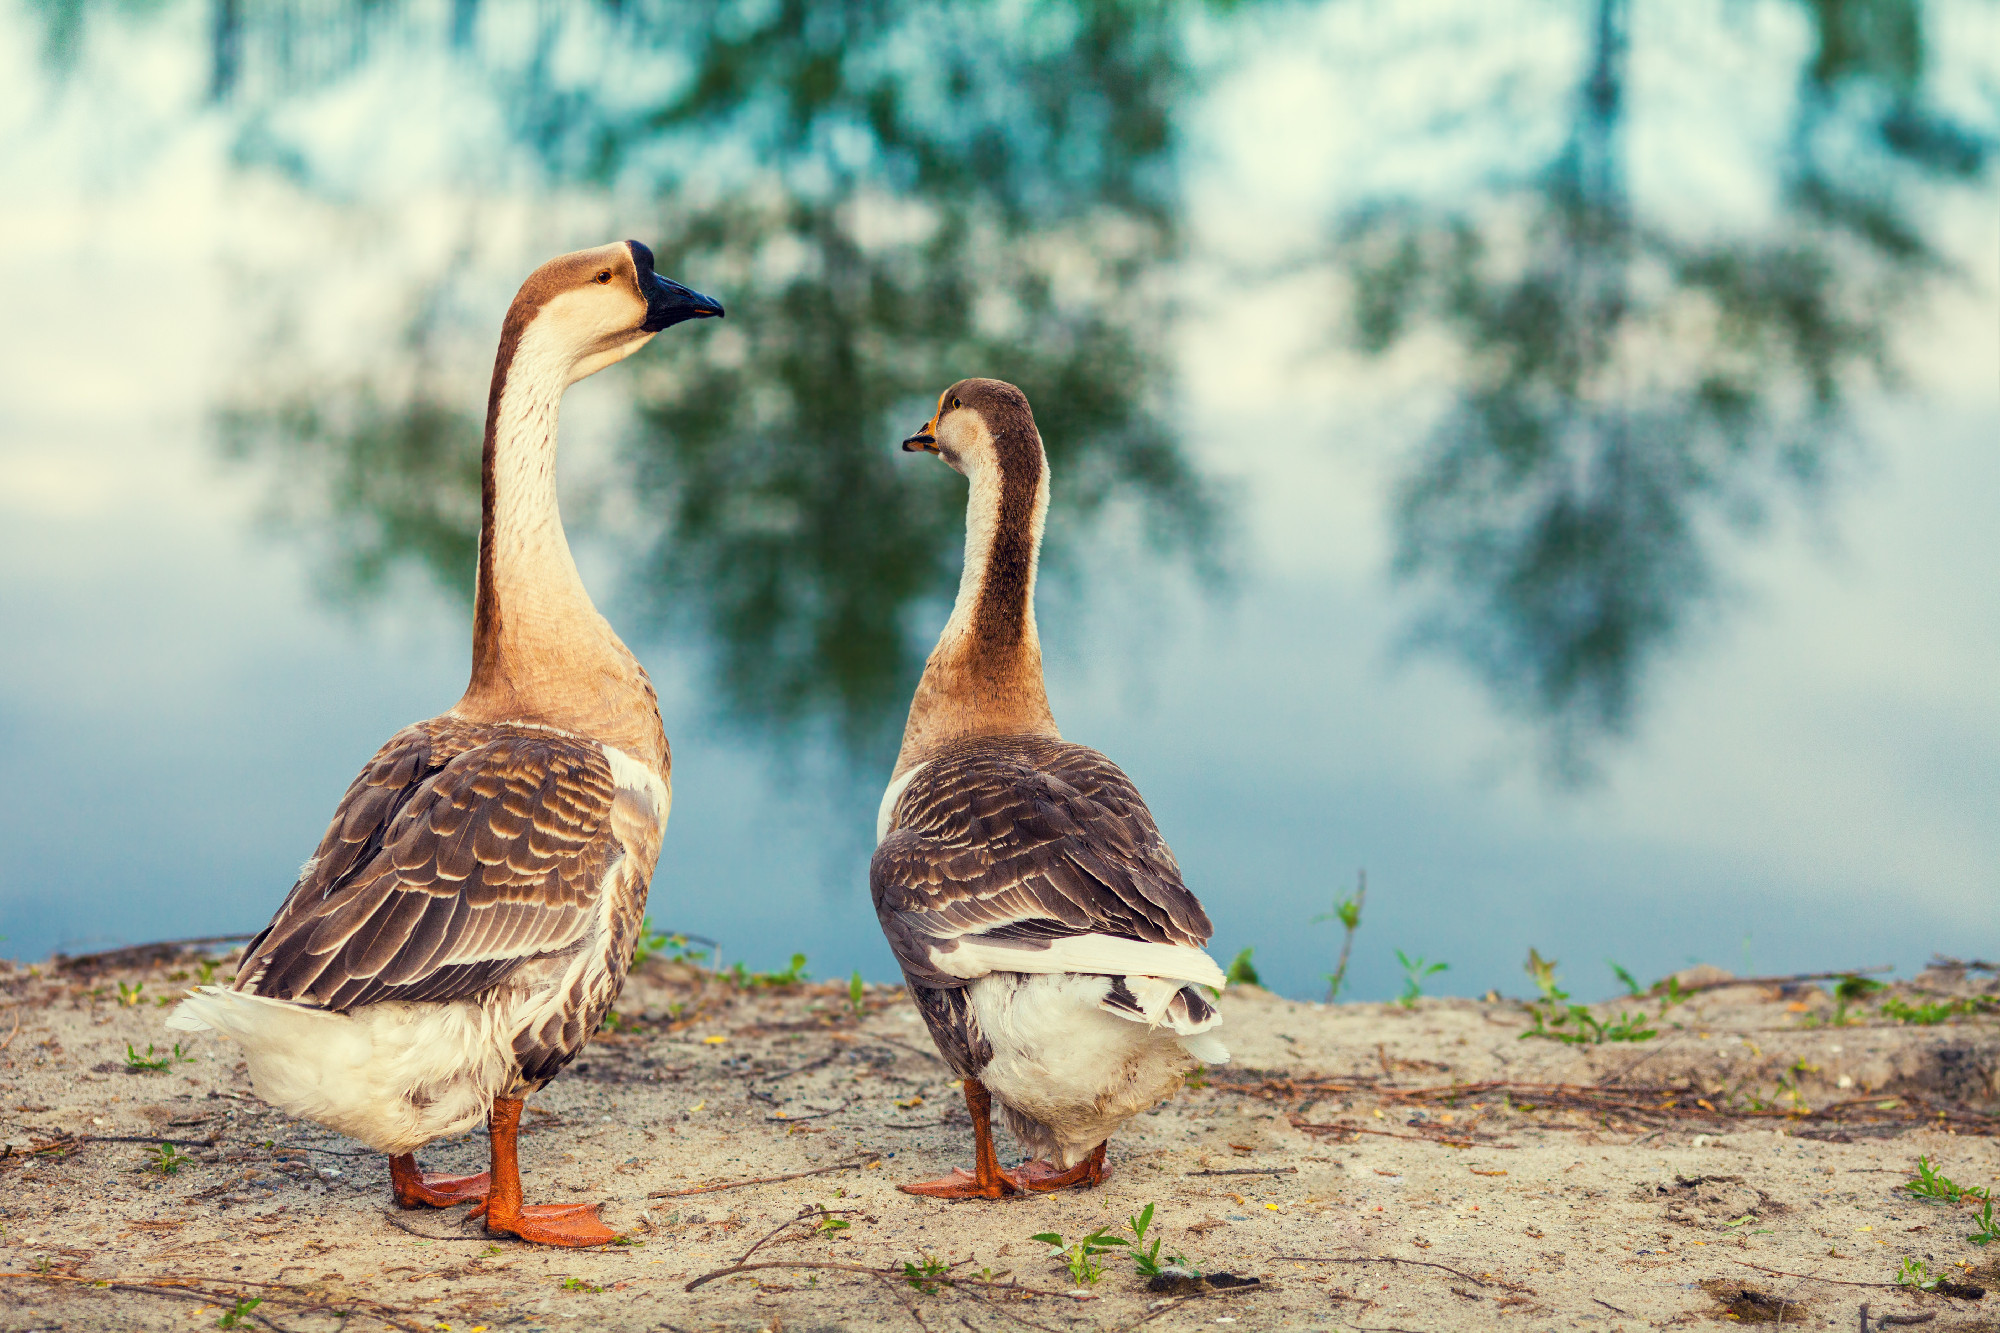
(541, 654)
(985, 676)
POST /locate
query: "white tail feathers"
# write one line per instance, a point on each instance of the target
(1207, 1048)
(394, 1076)
(1157, 1002)
(1102, 955)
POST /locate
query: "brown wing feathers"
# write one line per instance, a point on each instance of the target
(1027, 839)
(448, 863)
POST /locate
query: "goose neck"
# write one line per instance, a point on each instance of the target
(540, 651)
(985, 675)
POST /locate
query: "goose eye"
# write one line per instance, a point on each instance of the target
(605, 276)
(956, 403)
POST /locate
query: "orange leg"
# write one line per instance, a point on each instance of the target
(572, 1224)
(415, 1187)
(986, 1180)
(1041, 1177)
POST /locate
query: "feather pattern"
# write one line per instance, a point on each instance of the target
(460, 852)
(1017, 842)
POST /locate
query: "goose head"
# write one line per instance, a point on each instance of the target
(581, 312)
(981, 427)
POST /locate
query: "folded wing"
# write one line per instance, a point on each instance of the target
(448, 863)
(1024, 854)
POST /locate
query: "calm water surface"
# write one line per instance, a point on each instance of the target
(1542, 453)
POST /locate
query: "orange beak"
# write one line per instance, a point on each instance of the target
(925, 439)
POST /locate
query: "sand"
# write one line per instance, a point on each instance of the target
(1324, 1161)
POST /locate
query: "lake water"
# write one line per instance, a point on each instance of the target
(1543, 453)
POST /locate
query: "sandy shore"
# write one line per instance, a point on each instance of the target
(1375, 1167)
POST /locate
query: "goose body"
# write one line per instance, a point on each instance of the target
(471, 912)
(1040, 920)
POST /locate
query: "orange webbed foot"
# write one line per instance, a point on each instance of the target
(1044, 1178)
(963, 1184)
(574, 1225)
(424, 1190)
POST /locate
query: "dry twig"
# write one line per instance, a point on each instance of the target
(852, 1163)
(1250, 1171)
(1488, 1281)
(190, 1288)
(1167, 1307)
(1813, 1277)
(892, 1275)
(811, 1065)
(784, 1119)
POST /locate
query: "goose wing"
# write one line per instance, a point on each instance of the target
(1032, 855)
(454, 856)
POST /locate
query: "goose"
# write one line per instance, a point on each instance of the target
(1041, 922)
(471, 913)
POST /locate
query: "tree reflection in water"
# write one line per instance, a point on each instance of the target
(889, 195)
(886, 197)
(1625, 396)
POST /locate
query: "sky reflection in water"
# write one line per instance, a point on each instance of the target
(887, 197)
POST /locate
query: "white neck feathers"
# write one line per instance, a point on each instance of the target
(984, 678)
(532, 564)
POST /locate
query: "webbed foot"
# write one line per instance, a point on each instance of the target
(416, 1188)
(963, 1184)
(1042, 1177)
(569, 1224)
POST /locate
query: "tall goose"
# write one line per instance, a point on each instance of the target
(472, 910)
(1041, 923)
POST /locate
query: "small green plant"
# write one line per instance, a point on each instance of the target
(857, 994)
(578, 1284)
(1242, 972)
(924, 1275)
(1745, 1221)
(1347, 912)
(1916, 1273)
(1850, 991)
(1933, 1185)
(155, 1060)
(234, 1317)
(1414, 972)
(1930, 1015)
(613, 1021)
(826, 1224)
(742, 976)
(1556, 1019)
(206, 967)
(166, 1159)
(1082, 1258)
(1626, 979)
(1670, 993)
(1989, 1230)
(676, 947)
(1145, 1256)
(130, 996)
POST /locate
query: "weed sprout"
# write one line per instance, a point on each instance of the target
(1414, 972)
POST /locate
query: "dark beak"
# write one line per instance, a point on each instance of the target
(925, 440)
(668, 303)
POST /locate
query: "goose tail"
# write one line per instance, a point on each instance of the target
(1179, 1007)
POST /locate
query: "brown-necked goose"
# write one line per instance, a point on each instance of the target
(472, 910)
(1041, 923)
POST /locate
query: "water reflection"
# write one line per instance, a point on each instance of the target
(1626, 397)
(889, 196)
